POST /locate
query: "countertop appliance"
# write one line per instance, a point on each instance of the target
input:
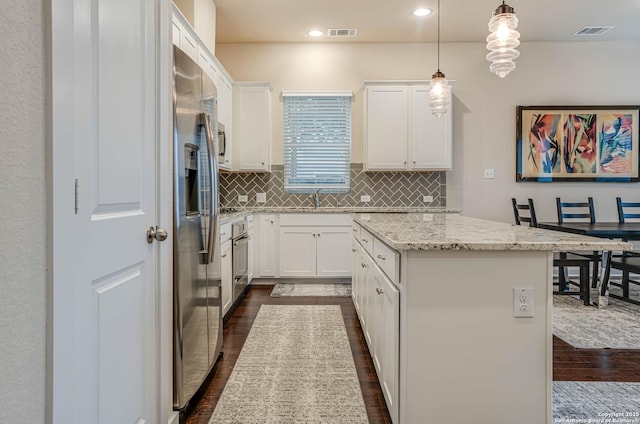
(197, 306)
(240, 257)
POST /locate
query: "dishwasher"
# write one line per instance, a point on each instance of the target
(240, 257)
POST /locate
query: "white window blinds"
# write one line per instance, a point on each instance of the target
(317, 141)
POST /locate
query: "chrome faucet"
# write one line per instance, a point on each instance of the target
(316, 197)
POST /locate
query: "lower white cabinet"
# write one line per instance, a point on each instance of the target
(377, 302)
(315, 251)
(250, 233)
(268, 245)
(226, 274)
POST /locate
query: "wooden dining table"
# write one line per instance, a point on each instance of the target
(628, 231)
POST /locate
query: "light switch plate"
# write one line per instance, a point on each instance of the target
(489, 174)
(365, 198)
(427, 199)
(243, 198)
(261, 197)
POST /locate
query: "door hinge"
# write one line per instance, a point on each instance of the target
(75, 197)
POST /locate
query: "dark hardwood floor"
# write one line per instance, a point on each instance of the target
(569, 363)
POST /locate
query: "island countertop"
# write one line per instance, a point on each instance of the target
(446, 231)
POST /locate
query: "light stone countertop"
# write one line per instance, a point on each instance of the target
(456, 232)
(227, 217)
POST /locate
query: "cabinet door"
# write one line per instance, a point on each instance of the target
(333, 247)
(386, 340)
(268, 249)
(430, 140)
(226, 271)
(298, 251)
(225, 113)
(367, 306)
(253, 136)
(250, 258)
(386, 128)
(355, 275)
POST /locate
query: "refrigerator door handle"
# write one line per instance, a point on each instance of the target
(213, 175)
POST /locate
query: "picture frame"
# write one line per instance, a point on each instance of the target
(577, 143)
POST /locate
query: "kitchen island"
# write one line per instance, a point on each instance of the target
(437, 296)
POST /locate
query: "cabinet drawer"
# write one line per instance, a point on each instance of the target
(315, 219)
(355, 231)
(366, 239)
(225, 232)
(388, 260)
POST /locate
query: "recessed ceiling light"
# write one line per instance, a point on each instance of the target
(316, 33)
(422, 12)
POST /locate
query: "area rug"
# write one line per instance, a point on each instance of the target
(596, 402)
(342, 289)
(616, 326)
(296, 366)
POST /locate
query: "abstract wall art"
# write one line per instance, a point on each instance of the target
(577, 143)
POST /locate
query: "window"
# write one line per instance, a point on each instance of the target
(317, 141)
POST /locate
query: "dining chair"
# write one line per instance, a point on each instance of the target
(526, 212)
(628, 262)
(582, 212)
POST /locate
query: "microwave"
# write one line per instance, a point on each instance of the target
(222, 141)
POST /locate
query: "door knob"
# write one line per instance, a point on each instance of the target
(156, 233)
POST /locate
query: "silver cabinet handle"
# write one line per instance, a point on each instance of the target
(354, 250)
(223, 234)
(354, 230)
(224, 256)
(382, 257)
(364, 265)
(379, 290)
(156, 233)
(365, 240)
(271, 222)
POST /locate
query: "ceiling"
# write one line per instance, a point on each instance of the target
(380, 21)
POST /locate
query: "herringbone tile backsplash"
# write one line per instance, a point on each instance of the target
(387, 189)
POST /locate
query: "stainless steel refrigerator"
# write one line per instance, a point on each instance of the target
(197, 306)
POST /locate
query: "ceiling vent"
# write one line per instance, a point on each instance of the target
(350, 32)
(594, 30)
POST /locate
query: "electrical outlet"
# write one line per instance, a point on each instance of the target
(427, 199)
(243, 198)
(365, 198)
(523, 302)
(261, 197)
(489, 174)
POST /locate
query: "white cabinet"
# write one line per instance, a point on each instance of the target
(252, 138)
(268, 245)
(315, 245)
(377, 302)
(226, 274)
(401, 133)
(225, 117)
(298, 251)
(250, 233)
(183, 36)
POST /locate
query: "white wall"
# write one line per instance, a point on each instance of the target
(22, 212)
(484, 105)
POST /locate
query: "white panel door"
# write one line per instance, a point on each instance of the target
(430, 136)
(386, 128)
(105, 349)
(298, 251)
(333, 252)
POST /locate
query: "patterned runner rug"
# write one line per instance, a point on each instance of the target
(342, 289)
(617, 326)
(596, 402)
(296, 366)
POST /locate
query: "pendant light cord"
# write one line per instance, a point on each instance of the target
(438, 35)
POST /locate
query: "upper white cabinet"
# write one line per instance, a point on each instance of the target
(185, 37)
(252, 112)
(400, 131)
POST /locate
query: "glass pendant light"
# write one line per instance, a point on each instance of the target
(503, 40)
(439, 87)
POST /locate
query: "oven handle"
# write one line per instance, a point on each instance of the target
(241, 238)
